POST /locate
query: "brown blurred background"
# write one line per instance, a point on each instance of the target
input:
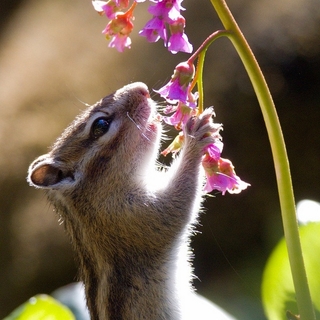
(53, 58)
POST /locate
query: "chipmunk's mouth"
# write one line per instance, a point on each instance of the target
(154, 120)
(145, 114)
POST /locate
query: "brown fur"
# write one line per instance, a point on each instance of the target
(131, 239)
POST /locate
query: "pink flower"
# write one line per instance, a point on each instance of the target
(154, 30)
(119, 29)
(178, 88)
(167, 12)
(214, 150)
(221, 176)
(173, 91)
(180, 117)
(111, 7)
(179, 40)
(120, 42)
(175, 145)
(99, 6)
(120, 25)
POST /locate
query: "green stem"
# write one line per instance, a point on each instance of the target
(198, 80)
(200, 55)
(280, 159)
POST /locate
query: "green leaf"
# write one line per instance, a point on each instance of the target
(278, 293)
(41, 307)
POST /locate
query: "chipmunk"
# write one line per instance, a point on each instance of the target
(129, 222)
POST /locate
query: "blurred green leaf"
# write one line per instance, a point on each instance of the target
(278, 293)
(41, 307)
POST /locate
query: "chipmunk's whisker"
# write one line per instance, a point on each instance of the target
(139, 127)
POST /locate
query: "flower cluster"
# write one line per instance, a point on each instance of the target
(166, 16)
(220, 174)
(120, 25)
(178, 91)
(166, 13)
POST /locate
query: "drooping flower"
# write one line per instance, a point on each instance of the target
(179, 40)
(154, 30)
(99, 6)
(120, 26)
(120, 42)
(178, 88)
(214, 149)
(119, 29)
(221, 176)
(180, 117)
(174, 91)
(110, 7)
(167, 12)
(175, 145)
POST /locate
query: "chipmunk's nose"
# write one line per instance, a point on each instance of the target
(139, 87)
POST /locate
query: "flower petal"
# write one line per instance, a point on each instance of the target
(120, 42)
(154, 29)
(179, 42)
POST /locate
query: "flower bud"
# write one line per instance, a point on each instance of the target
(175, 145)
(184, 71)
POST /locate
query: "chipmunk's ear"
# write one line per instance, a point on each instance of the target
(45, 173)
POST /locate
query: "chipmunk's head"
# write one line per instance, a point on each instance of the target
(114, 140)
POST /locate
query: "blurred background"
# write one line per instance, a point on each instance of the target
(53, 59)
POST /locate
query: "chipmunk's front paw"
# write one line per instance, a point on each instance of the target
(201, 130)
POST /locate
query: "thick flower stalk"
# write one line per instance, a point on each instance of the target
(282, 169)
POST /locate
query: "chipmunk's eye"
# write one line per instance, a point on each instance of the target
(99, 127)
